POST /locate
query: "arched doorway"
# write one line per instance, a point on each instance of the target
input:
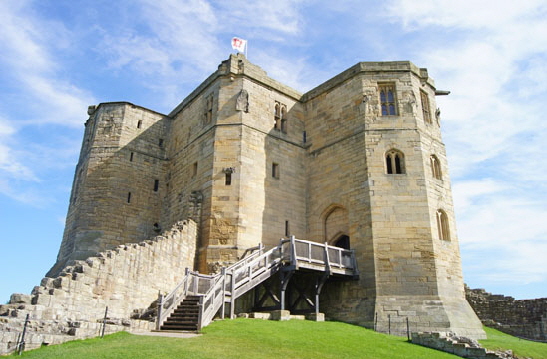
(342, 242)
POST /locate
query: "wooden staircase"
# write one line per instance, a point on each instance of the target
(199, 297)
(185, 317)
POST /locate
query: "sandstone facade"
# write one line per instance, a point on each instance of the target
(356, 162)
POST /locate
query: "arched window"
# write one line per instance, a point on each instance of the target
(442, 225)
(277, 116)
(395, 163)
(436, 167)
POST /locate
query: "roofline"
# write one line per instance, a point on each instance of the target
(131, 104)
(368, 67)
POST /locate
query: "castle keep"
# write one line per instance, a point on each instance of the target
(357, 162)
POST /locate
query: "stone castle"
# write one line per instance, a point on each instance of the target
(357, 162)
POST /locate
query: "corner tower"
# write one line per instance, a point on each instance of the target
(378, 183)
(119, 181)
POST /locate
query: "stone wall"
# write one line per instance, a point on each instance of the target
(460, 346)
(523, 318)
(126, 279)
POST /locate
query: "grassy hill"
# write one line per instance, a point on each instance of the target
(248, 338)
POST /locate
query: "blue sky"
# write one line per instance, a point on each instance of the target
(60, 56)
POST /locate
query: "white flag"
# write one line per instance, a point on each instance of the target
(239, 44)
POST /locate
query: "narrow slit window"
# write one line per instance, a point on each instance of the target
(275, 170)
(426, 112)
(131, 157)
(304, 137)
(228, 179)
(128, 197)
(209, 109)
(139, 124)
(156, 185)
(195, 169)
(161, 142)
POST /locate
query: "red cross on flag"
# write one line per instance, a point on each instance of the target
(239, 44)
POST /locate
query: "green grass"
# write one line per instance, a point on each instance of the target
(522, 348)
(251, 338)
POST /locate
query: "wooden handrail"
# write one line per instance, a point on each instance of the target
(247, 273)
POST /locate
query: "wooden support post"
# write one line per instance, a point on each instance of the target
(196, 285)
(327, 259)
(285, 278)
(160, 311)
(233, 296)
(187, 279)
(318, 287)
(294, 261)
(223, 292)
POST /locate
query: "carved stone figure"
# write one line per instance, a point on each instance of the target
(242, 102)
(370, 104)
(409, 102)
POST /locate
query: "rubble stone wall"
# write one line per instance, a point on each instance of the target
(126, 279)
(460, 346)
(523, 318)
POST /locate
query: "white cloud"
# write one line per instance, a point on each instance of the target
(494, 63)
(39, 94)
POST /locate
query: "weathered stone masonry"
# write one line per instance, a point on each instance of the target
(251, 160)
(523, 318)
(126, 278)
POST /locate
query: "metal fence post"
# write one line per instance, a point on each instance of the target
(104, 322)
(407, 330)
(21, 345)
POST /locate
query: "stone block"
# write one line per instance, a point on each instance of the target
(316, 317)
(18, 298)
(280, 315)
(260, 315)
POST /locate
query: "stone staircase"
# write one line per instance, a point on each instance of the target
(185, 317)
